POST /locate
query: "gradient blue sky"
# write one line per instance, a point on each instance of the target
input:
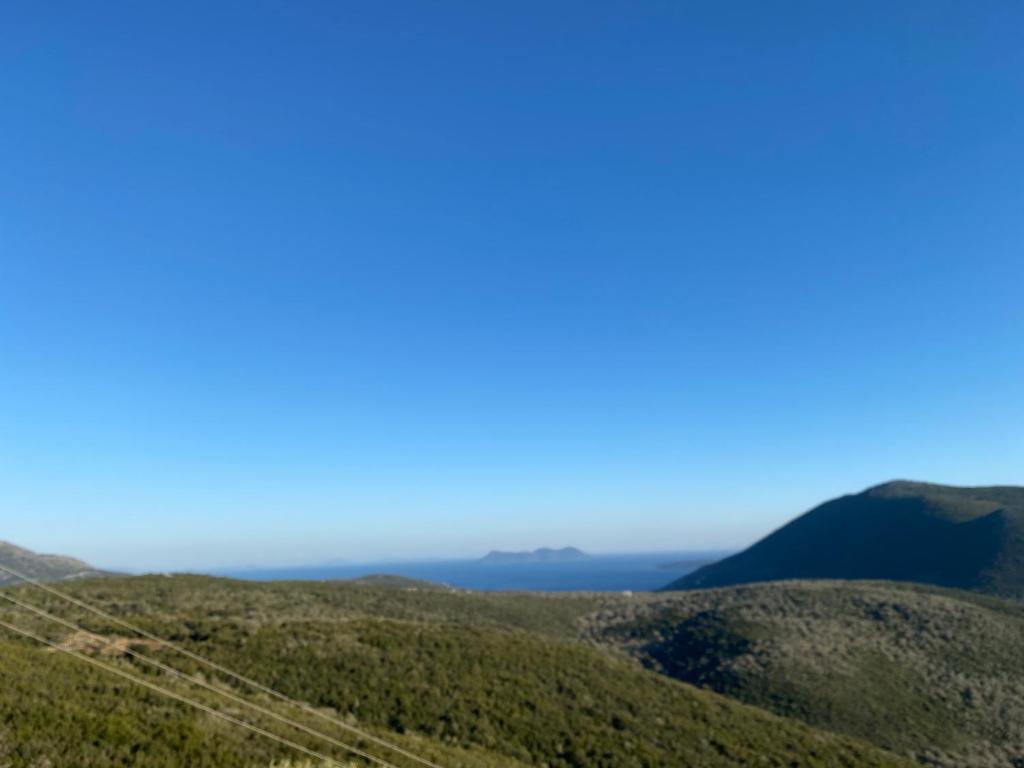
(287, 282)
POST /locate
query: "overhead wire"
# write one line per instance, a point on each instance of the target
(173, 695)
(202, 683)
(209, 664)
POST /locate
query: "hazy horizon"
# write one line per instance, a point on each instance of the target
(407, 280)
(227, 568)
(269, 557)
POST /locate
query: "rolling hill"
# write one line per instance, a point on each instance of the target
(931, 673)
(42, 567)
(465, 679)
(970, 538)
(786, 673)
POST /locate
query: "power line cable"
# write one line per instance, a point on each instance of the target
(202, 683)
(219, 668)
(176, 696)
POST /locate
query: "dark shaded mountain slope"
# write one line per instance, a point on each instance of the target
(971, 538)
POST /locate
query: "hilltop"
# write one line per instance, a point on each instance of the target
(542, 555)
(970, 538)
(42, 567)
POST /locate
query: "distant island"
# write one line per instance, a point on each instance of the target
(542, 555)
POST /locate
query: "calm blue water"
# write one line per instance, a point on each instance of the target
(597, 573)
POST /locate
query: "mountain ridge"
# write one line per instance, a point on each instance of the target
(43, 567)
(901, 530)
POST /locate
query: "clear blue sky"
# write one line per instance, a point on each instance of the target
(287, 282)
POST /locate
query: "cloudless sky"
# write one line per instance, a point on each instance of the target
(297, 281)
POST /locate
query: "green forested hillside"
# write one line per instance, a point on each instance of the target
(933, 673)
(485, 679)
(58, 711)
(469, 679)
(969, 538)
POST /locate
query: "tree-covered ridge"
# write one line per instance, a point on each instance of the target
(471, 679)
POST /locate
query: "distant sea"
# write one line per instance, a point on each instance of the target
(636, 572)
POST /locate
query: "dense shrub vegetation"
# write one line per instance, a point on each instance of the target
(936, 674)
(469, 679)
